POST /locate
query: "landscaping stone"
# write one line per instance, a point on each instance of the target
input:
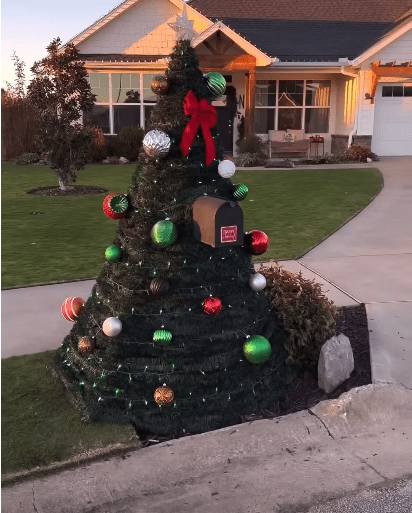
(123, 160)
(335, 363)
(279, 163)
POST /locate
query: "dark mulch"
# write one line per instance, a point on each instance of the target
(72, 190)
(305, 392)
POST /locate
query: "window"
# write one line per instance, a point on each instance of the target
(123, 99)
(292, 104)
(397, 91)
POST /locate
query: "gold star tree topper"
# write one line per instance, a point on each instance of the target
(183, 26)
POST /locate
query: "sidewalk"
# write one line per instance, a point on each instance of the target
(283, 465)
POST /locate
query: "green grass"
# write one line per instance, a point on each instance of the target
(39, 425)
(296, 209)
(67, 240)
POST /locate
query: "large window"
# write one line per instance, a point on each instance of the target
(123, 99)
(292, 104)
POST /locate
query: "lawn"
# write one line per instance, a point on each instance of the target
(66, 240)
(55, 239)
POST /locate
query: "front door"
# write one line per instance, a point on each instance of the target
(225, 119)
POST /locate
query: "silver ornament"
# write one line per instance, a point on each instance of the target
(226, 169)
(156, 144)
(257, 281)
(112, 326)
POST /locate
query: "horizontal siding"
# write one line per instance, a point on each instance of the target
(399, 50)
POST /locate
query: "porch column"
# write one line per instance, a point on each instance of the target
(250, 102)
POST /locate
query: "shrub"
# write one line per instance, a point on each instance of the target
(129, 142)
(98, 149)
(328, 158)
(302, 310)
(26, 158)
(359, 152)
(251, 144)
(250, 160)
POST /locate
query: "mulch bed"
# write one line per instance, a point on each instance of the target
(72, 190)
(305, 392)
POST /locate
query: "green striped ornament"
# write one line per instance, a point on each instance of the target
(240, 191)
(215, 83)
(162, 337)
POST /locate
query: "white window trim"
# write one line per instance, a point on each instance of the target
(303, 107)
(111, 104)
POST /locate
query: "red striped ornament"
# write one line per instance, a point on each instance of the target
(212, 306)
(115, 206)
(72, 308)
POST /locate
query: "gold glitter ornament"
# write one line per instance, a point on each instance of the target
(164, 395)
(85, 345)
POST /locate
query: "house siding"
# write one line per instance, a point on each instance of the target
(400, 51)
(141, 30)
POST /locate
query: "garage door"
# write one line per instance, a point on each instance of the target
(392, 131)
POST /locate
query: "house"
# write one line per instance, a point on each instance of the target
(341, 70)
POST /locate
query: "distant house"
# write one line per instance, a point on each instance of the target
(338, 69)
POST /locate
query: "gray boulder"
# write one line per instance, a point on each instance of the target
(123, 160)
(335, 363)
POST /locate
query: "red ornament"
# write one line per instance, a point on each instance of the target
(115, 206)
(256, 242)
(72, 308)
(212, 306)
(203, 115)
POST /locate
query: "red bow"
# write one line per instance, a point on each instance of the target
(203, 115)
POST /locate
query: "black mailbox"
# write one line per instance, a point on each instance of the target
(217, 222)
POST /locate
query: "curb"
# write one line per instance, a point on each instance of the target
(361, 411)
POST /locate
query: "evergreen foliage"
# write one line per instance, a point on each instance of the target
(213, 383)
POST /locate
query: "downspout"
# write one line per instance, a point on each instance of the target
(355, 128)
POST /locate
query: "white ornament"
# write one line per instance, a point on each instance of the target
(257, 281)
(183, 26)
(226, 169)
(112, 326)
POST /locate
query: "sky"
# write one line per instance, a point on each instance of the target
(28, 26)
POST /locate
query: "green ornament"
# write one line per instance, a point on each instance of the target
(162, 337)
(164, 234)
(240, 192)
(215, 83)
(257, 349)
(113, 254)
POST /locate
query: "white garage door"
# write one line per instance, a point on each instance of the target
(392, 130)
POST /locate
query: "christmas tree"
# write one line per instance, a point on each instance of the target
(177, 333)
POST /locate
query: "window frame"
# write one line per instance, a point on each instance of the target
(111, 104)
(303, 106)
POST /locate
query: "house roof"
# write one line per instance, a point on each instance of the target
(370, 11)
(298, 40)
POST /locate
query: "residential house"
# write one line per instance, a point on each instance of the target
(341, 70)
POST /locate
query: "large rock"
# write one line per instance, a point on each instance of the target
(280, 163)
(335, 363)
(123, 160)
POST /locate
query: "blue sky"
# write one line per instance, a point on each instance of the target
(28, 26)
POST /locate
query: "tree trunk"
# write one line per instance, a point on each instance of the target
(61, 184)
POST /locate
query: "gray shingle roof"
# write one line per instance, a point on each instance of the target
(298, 40)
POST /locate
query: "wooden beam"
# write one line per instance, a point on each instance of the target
(375, 80)
(250, 102)
(228, 45)
(210, 47)
(227, 62)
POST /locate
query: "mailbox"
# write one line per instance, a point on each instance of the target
(217, 222)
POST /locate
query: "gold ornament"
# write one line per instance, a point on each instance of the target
(85, 345)
(164, 395)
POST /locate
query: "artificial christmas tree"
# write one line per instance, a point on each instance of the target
(177, 333)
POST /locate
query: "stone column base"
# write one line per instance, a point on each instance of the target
(339, 143)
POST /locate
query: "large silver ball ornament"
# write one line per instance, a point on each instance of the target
(112, 326)
(226, 169)
(257, 281)
(156, 144)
